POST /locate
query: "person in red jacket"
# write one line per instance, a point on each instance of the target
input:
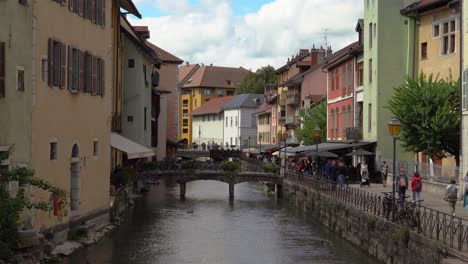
(416, 186)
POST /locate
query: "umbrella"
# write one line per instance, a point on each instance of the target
(360, 152)
(323, 154)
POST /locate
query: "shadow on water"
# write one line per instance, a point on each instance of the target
(207, 228)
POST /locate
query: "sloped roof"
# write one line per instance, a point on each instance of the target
(296, 59)
(264, 108)
(211, 76)
(129, 6)
(426, 5)
(130, 32)
(245, 101)
(164, 55)
(342, 53)
(213, 106)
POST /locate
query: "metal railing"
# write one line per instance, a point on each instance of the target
(293, 120)
(450, 230)
(353, 133)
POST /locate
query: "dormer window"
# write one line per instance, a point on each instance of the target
(229, 82)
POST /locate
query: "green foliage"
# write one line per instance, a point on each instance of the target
(255, 82)
(11, 206)
(402, 234)
(124, 176)
(230, 166)
(272, 168)
(188, 165)
(150, 165)
(428, 109)
(311, 119)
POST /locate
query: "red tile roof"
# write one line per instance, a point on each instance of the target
(264, 108)
(426, 5)
(164, 55)
(213, 106)
(339, 55)
(211, 76)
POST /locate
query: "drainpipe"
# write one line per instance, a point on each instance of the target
(462, 63)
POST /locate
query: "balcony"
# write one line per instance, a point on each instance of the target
(282, 100)
(353, 133)
(116, 125)
(293, 99)
(293, 120)
(282, 121)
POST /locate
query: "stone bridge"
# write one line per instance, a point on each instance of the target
(231, 178)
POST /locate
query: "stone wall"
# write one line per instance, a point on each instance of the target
(388, 242)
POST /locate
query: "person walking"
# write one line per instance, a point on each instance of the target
(465, 196)
(451, 195)
(384, 172)
(341, 173)
(364, 174)
(402, 183)
(416, 187)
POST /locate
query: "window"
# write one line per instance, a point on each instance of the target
(56, 67)
(144, 118)
(230, 92)
(370, 35)
(185, 112)
(227, 121)
(237, 121)
(375, 30)
(332, 122)
(20, 78)
(74, 69)
(101, 12)
(369, 123)
(344, 79)
(219, 92)
(370, 70)
(144, 74)
(185, 131)
(75, 6)
(100, 81)
(53, 150)
(185, 122)
(23, 2)
(95, 148)
(436, 31)
(337, 79)
(185, 103)
(87, 72)
(332, 79)
(424, 50)
(448, 39)
(203, 117)
(231, 121)
(207, 91)
(131, 63)
(236, 141)
(209, 118)
(129, 118)
(44, 69)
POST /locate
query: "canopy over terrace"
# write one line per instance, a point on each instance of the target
(131, 148)
(326, 146)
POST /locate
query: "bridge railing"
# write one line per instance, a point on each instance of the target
(450, 230)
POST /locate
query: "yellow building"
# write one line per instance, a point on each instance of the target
(198, 84)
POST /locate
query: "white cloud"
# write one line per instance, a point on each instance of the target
(211, 33)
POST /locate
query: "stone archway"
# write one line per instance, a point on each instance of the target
(75, 181)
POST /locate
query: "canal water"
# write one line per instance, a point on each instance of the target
(208, 229)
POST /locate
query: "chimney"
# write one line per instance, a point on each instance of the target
(314, 55)
(211, 64)
(329, 52)
(321, 55)
(187, 63)
(289, 60)
(303, 51)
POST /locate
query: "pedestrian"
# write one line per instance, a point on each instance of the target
(384, 171)
(341, 173)
(465, 196)
(334, 171)
(416, 187)
(364, 174)
(402, 183)
(451, 196)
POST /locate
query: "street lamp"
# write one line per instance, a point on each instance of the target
(317, 137)
(394, 128)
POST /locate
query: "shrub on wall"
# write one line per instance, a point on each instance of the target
(188, 165)
(272, 168)
(230, 166)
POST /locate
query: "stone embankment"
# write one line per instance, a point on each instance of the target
(388, 242)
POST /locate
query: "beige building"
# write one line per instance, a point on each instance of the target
(58, 85)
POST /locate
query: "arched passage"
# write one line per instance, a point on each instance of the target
(75, 180)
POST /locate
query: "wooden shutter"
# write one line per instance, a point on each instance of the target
(94, 76)
(70, 67)
(70, 5)
(103, 79)
(50, 60)
(103, 22)
(93, 11)
(81, 84)
(80, 8)
(63, 64)
(2, 69)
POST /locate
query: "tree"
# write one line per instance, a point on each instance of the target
(311, 119)
(11, 206)
(428, 110)
(255, 82)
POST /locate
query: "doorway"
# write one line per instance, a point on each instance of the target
(75, 181)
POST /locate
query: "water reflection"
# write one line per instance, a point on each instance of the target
(207, 228)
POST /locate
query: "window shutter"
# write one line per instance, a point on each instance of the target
(103, 23)
(103, 79)
(80, 78)
(80, 8)
(2, 69)
(70, 5)
(70, 68)
(50, 59)
(93, 11)
(94, 77)
(63, 61)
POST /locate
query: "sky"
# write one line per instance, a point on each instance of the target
(247, 33)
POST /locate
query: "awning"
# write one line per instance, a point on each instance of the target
(133, 149)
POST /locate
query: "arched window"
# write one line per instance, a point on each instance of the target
(350, 117)
(75, 151)
(331, 122)
(344, 118)
(336, 122)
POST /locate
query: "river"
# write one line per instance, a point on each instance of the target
(208, 229)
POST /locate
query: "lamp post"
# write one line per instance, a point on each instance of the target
(394, 128)
(317, 137)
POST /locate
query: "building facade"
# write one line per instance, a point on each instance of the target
(199, 84)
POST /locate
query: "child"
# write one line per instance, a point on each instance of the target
(416, 187)
(452, 195)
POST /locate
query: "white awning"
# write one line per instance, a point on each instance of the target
(133, 149)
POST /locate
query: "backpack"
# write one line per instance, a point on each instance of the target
(402, 181)
(417, 184)
(452, 192)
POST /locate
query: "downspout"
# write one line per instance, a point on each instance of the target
(462, 63)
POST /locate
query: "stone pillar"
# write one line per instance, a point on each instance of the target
(231, 191)
(182, 190)
(279, 191)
